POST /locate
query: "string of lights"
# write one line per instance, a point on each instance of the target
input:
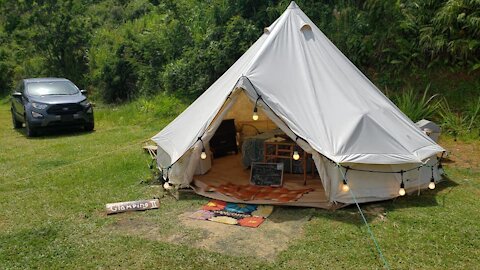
(401, 191)
(296, 155)
(396, 172)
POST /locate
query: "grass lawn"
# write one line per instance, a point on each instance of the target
(53, 190)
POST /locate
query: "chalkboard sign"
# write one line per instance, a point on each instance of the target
(266, 174)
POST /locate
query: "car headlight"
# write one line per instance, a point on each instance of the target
(39, 106)
(85, 103)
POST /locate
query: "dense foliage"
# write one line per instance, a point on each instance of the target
(121, 49)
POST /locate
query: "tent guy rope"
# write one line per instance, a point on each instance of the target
(385, 263)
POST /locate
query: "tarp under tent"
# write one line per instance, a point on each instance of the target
(304, 87)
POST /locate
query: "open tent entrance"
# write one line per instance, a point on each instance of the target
(236, 141)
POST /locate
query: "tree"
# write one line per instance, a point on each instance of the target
(453, 33)
(6, 73)
(62, 33)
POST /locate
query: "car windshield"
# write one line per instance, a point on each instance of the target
(51, 88)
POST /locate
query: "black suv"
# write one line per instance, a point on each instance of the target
(46, 102)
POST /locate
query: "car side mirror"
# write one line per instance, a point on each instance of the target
(84, 92)
(16, 94)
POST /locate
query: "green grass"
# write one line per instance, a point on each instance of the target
(53, 190)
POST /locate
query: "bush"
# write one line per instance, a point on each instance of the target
(460, 124)
(452, 123)
(415, 107)
(473, 114)
(6, 73)
(128, 62)
(119, 78)
(204, 63)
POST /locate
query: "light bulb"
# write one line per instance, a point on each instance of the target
(203, 155)
(345, 187)
(431, 185)
(296, 156)
(167, 186)
(401, 191)
(255, 116)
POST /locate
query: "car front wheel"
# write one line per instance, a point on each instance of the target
(15, 122)
(89, 126)
(31, 132)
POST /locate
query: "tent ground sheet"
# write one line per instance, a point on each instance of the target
(228, 172)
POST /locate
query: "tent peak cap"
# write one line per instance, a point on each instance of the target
(292, 5)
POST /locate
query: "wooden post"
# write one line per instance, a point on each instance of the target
(113, 208)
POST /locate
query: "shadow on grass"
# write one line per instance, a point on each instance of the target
(291, 213)
(379, 210)
(54, 133)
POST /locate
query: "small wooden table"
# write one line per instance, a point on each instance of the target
(284, 150)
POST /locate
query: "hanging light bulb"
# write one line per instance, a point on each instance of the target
(167, 186)
(203, 155)
(432, 184)
(255, 114)
(296, 156)
(401, 191)
(345, 187)
(432, 181)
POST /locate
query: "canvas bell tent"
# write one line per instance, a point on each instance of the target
(307, 96)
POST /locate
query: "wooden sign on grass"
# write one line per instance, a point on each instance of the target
(113, 208)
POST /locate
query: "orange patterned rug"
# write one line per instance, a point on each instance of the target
(250, 192)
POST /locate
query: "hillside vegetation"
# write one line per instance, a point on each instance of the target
(122, 50)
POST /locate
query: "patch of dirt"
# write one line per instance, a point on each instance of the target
(266, 241)
(462, 154)
(377, 211)
(137, 226)
(278, 231)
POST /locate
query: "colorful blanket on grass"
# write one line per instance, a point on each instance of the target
(251, 192)
(247, 215)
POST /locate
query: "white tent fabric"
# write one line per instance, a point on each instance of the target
(317, 92)
(313, 92)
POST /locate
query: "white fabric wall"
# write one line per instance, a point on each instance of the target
(368, 186)
(183, 170)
